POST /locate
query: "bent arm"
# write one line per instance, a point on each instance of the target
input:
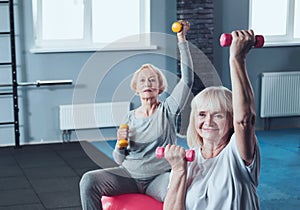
(244, 114)
(119, 155)
(175, 198)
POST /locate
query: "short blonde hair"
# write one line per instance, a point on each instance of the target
(161, 77)
(217, 98)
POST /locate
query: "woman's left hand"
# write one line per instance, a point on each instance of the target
(185, 27)
(242, 42)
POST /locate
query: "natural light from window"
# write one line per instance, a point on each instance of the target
(272, 22)
(110, 28)
(84, 25)
(277, 20)
(297, 19)
(67, 23)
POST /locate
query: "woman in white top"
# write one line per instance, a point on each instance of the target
(225, 172)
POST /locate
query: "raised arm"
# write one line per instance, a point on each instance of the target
(244, 114)
(183, 87)
(175, 198)
(186, 64)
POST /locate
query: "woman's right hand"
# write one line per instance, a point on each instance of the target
(175, 155)
(122, 133)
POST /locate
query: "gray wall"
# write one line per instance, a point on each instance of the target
(39, 107)
(232, 15)
(39, 117)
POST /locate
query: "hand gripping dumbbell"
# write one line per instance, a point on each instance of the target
(177, 26)
(122, 143)
(226, 39)
(189, 155)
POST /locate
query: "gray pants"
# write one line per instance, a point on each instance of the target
(116, 181)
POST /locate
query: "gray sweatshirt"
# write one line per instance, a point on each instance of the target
(159, 129)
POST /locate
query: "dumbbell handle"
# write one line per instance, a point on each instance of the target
(122, 143)
(189, 155)
(226, 39)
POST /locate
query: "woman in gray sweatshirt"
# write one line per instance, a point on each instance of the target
(151, 125)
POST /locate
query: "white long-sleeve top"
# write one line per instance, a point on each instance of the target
(223, 182)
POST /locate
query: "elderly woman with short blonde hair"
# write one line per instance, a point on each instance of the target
(152, 124)
(225, 172)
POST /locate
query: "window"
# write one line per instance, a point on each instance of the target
(75, 25)
(278, 21)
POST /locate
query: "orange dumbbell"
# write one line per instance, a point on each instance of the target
(177, 26)
(122, 143)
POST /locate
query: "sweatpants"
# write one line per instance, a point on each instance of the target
(115, 181)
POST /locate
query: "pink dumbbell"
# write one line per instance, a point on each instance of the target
(226, 39)
(189, 155)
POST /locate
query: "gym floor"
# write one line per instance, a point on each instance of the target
(39, 177)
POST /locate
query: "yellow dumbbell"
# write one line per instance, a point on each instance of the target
(177, 26)
(123, 142)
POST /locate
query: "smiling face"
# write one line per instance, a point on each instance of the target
(147, 84)
(212, 125)
(211, 117)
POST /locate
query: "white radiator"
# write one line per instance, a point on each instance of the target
(95, 115)
(280, 94)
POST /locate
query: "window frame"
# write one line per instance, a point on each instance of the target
(87, 44)
(280, 40)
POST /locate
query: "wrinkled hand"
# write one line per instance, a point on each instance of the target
(122, 134)
(185, 27)
(175, 155)
(242, 42)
